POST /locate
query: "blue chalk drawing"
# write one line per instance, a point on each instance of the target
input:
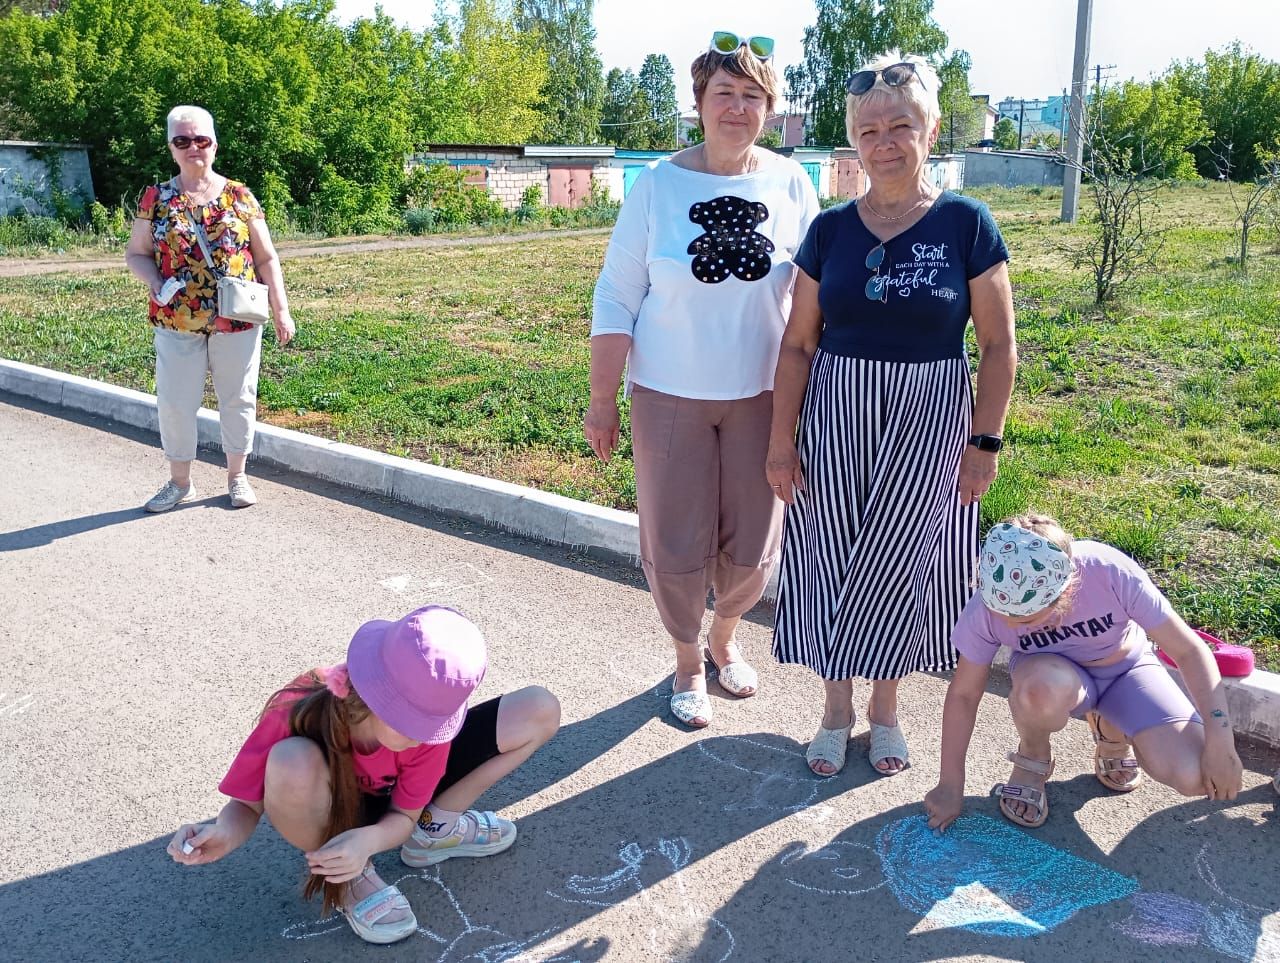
(986, 876)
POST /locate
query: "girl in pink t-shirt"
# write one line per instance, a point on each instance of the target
(1080, 618)
(376, 753)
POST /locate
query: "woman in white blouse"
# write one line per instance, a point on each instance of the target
(692, 300)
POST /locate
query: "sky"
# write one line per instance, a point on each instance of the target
(1020, 48)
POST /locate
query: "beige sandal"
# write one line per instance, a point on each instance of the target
(887, 742)
(831, 746)
(736, 678)
(690, 706)
(1011, 792)
(1109, 768)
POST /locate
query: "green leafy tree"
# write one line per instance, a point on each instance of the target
(1006, 134)
(1238, 92)
(574, 93)
(497, 76)
(770, 137)
(962, 116)
(1151, 124)
(657, 82)
(845, 36)
(627, 114)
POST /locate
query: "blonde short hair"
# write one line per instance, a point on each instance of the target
(920, 94)
(741, 63)
(190, 114)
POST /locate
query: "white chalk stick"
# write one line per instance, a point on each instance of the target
(187, 848)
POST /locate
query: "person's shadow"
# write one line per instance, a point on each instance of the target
(634, 837)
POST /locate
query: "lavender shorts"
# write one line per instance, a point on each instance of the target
(1134, 694)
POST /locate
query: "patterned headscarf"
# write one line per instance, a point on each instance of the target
(1020, 572)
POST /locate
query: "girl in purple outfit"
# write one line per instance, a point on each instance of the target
(1081, 619)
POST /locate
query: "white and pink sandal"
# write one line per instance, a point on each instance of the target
(366, 917)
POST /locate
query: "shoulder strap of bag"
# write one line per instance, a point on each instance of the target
(204, 243)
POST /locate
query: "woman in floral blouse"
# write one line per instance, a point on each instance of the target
(190, 337)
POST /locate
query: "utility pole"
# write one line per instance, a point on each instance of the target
(1022, 109)
(1075, 142)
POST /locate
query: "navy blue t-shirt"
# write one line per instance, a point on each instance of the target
(927, 269)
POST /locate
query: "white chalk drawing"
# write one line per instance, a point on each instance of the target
(1227, 924)
(679, 928)
(457, 937)
(448, 578)
(787, 787)
(12, 704)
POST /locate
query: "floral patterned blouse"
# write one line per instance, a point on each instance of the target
(177, 251)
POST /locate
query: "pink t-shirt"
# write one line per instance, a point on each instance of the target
(1114, 602)
(409, 777)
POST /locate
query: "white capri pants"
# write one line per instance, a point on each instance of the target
(181, 362)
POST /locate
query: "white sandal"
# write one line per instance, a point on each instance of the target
(688, 706)
(887, 742)
(364, 916)
(736, 678)
(829, 745)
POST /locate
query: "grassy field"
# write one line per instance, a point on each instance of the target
(1154, 425)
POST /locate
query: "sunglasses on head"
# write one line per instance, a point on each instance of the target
(895, 75)
(727, 42)
(182, 141)
(877, 289)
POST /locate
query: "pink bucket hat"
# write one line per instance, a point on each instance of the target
(416, 674)
(1020, 572)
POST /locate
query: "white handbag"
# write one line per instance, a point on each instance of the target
(238, 299)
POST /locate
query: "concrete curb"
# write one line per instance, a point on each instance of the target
(600, 532)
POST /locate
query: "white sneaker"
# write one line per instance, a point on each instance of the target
(170, 496)
(241, 493)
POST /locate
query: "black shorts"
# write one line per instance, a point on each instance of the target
(474, 745)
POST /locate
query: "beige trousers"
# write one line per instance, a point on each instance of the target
(708, 518)
(182, 361)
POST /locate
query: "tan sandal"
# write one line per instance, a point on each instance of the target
(1109, 768)
(831, 746)
(736, 678)
(1011, 792)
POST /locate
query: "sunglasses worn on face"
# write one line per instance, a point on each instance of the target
(182, 141)
(727, 42)
(876, 289)
(895, 75)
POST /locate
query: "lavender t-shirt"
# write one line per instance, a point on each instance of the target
(1114, 602)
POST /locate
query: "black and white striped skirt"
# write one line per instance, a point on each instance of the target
(877, 552)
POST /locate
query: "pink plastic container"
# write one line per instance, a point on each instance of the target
(1234, 661)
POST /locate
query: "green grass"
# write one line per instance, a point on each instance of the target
(1154, 424)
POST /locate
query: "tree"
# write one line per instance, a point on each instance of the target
(627, 115)
(1006, 134)
(770, 137)
(846, 35)
(497, 77)
(574, 93)
(657, 83)
(962, 117)
(1238, 93)
(1124, 185)
(1045, 140)
(1152, 123)
(1256, 199)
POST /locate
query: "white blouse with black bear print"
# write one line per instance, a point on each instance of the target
(699, 272)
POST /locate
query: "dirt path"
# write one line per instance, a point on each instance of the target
(21, 267)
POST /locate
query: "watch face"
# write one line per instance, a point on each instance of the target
(987, 442)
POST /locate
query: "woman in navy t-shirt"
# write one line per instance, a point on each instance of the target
(878, 444)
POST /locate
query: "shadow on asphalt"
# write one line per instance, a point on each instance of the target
(610, 568)
(1199, 882)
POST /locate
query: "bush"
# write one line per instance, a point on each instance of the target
(530, 208)
(27, 230)
(419, 220)
(454, 203)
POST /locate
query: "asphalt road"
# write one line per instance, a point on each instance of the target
(137, 651)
